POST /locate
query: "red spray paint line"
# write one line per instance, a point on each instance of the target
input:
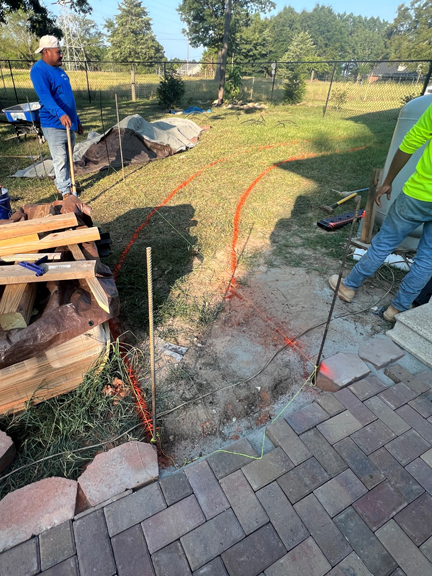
(147, 220)
(249, 190)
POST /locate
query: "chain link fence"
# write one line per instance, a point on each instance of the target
(347, 89)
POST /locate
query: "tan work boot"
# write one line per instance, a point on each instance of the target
(344, 293)
(390, 314)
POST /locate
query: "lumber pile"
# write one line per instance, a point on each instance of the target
(49, 364)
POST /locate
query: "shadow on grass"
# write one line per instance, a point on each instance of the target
(173, 250)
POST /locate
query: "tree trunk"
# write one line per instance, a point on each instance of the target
(218, 61)
(224, 52)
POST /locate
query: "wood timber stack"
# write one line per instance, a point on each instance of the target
(61, 368)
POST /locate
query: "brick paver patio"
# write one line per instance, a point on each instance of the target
(345, 491)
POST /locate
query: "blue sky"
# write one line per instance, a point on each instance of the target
(167, 25)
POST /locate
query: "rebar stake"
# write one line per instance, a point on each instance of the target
(335, 295)
(119, 133)
(152, 356)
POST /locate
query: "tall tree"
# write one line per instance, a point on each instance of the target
(16, 39)
(410, 34)
(130, 34)
(40, 21)
(207, 21)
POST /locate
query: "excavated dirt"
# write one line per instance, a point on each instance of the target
(271, 308)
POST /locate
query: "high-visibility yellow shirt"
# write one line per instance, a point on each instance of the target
(419, 184)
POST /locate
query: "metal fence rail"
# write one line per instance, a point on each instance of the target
(344, 88)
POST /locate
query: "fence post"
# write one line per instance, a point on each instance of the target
(88, 85)
(274, 68)
(133, 86)
(13, 82)
(2, 77)
(427, 79)
(329, 90)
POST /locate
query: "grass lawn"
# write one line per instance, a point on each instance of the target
(192, 235)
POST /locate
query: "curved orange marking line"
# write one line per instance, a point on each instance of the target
(146, 221)
(249, 190)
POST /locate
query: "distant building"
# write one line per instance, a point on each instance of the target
(390, 71)
(189, 69)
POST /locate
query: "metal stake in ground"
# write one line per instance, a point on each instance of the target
(38, 139)
(152, 358)
(119, 133)
(71, 164)
(335, 295)
(103, 130)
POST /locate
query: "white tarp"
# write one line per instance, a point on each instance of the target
(178, 133)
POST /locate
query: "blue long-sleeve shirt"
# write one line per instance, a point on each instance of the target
(55, 94)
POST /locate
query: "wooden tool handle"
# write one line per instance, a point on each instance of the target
(345, 199)
(71, 164)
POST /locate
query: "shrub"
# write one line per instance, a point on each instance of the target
(294, 88)
(171, 90)
(233, 83)
(339, 97)
(405, 99)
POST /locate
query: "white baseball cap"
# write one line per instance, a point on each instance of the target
(48, 42)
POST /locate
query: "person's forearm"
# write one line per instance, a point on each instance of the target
(398, 162)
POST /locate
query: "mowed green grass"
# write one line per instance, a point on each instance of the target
(191, 235)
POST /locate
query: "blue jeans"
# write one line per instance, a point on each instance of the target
(404, 216)
(57, 142)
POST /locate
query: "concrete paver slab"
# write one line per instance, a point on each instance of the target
(396, 474)
(379, 505)
(22, 560)
(373, 436)
(245, 504)
(268, 468)
(359, 463)
(339, 427)
(342, 369)
(175, 487)
(372, 553)
(224, 463)
(56, 545)
(301, 481)
(323, 530)
(306, 418)
(131, 553)
(255, 553)
(207, 489)
(403, 550)
(281, 434)
(367, 387)
(338, 493)
(133, 509)
(171, 561)
(306, 558)
(285, 520)
(416, 519)
(350, 565)
(170, 524)
(422, 473)
(380, 352)
(324, 452)
(407, 447)
(383, 411)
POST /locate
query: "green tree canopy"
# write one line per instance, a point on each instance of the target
(40, 21)
(130, 34)
(16, 39)
(204, 20)
(410, 34)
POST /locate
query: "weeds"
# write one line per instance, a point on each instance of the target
(83, 417)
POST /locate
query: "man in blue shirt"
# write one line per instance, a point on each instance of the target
(58, 108)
